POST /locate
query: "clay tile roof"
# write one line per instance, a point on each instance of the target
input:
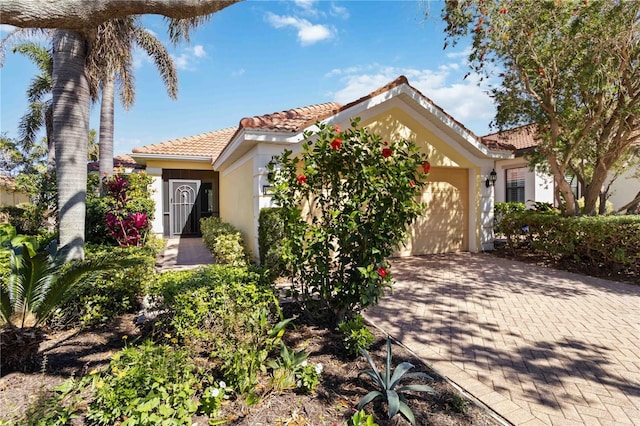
(120, 161)
(203, 145)
(520, 138)
(291, 120)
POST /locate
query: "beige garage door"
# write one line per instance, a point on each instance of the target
(444, 226)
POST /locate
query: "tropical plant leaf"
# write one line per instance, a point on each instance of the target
(399, 372)
(417, 388)
(407, 413)
(417, 374)
(368, 398)
(376, 378)
(375, 375)
(388, 370)
(393, 400)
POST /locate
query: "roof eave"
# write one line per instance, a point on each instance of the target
(142, 158)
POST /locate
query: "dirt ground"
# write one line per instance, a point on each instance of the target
(75, 352)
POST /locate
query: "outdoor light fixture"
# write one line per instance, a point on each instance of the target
(491, 180)
(266, 189)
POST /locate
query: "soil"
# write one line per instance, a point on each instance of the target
(75, 352)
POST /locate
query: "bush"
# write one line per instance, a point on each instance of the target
(270, 236)
(124, 214)
(222, 311)
(361, 195)
(24, 217)
(502, 209)
(96, 300)
(355, 336)
(593, 242)
(224, 241)
(148, 384)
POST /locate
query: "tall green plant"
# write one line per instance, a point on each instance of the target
(357, 194)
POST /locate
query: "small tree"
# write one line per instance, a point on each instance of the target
(357, 195)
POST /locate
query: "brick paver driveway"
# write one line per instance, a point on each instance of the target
(538, 346)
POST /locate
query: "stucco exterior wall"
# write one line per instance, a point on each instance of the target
(625, 188)
(237, 198)
(538, 186)
(10, 197)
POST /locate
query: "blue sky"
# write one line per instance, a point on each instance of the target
(259, 57)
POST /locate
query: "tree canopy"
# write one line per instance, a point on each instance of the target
(571, 68)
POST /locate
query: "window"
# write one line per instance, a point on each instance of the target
(515, 185)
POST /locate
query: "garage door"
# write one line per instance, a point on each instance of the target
(444, 226)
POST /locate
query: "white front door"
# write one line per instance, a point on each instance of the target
(183, 195)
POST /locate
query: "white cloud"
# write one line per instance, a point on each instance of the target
(463, 99)
(305, 4)
(5, 29)
(238, 73)
(339, 11)
(308, 33)
(198, 51)
(460, 53)
(188, 58)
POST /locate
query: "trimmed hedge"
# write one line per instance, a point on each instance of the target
(609, 242)
(224, 242)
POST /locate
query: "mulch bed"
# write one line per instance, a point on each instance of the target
(73, 353)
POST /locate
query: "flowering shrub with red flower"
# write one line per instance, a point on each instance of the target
(123, 214)
(358, 196)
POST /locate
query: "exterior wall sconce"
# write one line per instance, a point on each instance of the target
(491, 180)
(266, 189)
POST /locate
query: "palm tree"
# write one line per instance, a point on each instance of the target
(110, 60)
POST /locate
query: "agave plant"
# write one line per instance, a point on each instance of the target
(388, 385)
(38, 283)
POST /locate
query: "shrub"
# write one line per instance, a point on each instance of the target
(361, 194)
(223, 311)
(148, 384)
(594, 242)
(355, 336)
(24, 217)
(224, 241)
(502, 209)
(270, 236)
(96, 300)
(124, 214)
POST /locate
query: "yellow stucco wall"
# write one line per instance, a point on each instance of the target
(237, 201)
(9, 197)
(396, 124)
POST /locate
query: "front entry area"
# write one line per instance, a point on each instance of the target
(188, 196)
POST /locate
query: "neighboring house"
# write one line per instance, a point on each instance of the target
(122, 162)
(517, 183)
(9, 196)
(224, 173)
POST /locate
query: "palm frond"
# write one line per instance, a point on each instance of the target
(39, 55)
(40, 87)
(161, 58)
(30, 124)
(22, 35)
(179, 29)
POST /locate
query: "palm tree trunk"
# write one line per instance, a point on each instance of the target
(106, 128)
(51, 146)
(70, 131)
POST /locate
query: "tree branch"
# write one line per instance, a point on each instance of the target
(81, 14)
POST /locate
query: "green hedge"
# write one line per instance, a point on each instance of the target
(609, 242)
(270, 236)
(224, 242)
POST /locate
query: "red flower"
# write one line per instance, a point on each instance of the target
(426, 166)
(139, 220)
(336, 128)
(503, 11)
(336, 144)
(302, 179)
(385, 143)
(382, 272)
(412, 183)
(386, 152)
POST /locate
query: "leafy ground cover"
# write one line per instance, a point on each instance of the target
(75, 353)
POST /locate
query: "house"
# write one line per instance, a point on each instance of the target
(9, 196)
(224, 173)
(518, 183)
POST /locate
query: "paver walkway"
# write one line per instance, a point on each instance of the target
(536, 345)
(184, 253)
